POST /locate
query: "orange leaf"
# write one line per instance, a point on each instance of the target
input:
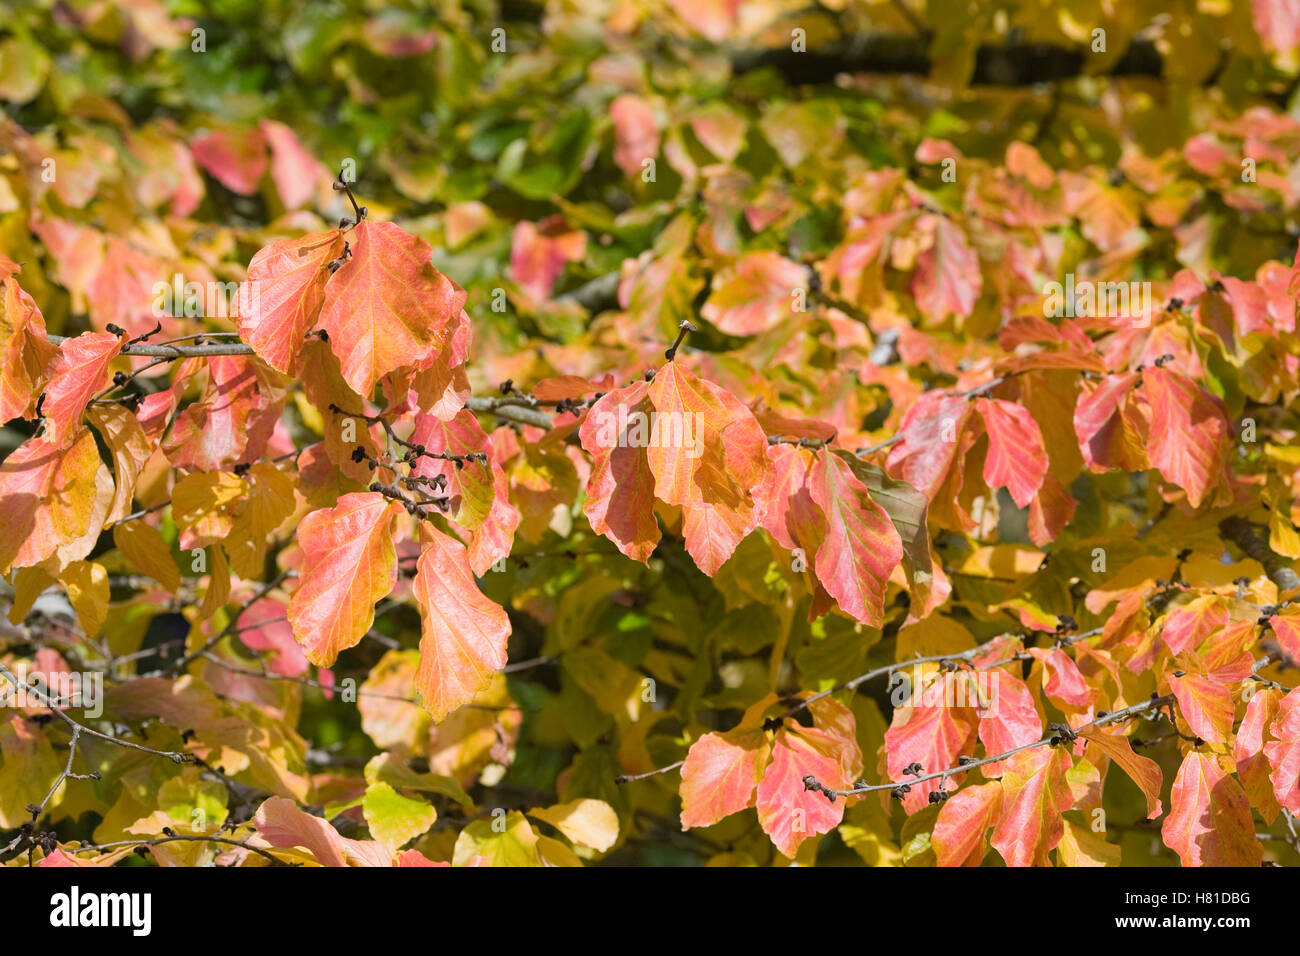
(720, 775)
(80, 370)
(620, 491)
(788, 811)
(1143, 771)
(56, 495)
(349, 563)
(1206, 706)
(964, 819)
(1284, 752)
(464, 633)
(283, 293)
(387, 307)
(1034, 795)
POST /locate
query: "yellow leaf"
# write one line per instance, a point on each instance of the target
(142, 546)
(87, 586)
(590, 823)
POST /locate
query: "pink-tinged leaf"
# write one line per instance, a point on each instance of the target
(948, 279)
(296, 173)
(349, 563)
(233, 422)
(539, 253)
(78, 373)
(1286, 631)
(56, 495)
(1008, 718)
(861, 548)
(783, 502)
(959, 837)
(755, 293)
(1187, 626)
(463, 634)
(1034, 795)
(280, 824)
(620, 491)
(1062, 679)
(283, 293)
(1278, 24)
(387, 307)
(787, 810)
(1206, 705)
(720, 775)
(1098, 424)
(1050, 511)
(927, 732)
(1143, 771)
(1190, 434)
(636, 133)
(1284, 752)
(1248, 751)
(930, 429)
(264, 626)
(1209, 821)
(235, 158)
(1016, 458)
(478, 494)
(712, 19)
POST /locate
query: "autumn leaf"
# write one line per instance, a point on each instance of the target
(463, 633)
(1209, 822)
(282, 296)
(1034, 795)
(56, 496)
(387, 307)
(349, 563)
(1016, 458)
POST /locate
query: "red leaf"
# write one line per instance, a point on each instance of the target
(861, 548)
(948, 279)
(279, 823)
(636, 133)
(1284, 752)
(754, 293)
(235, 158)
(928, 732)
(930, 431)
(1016, 458)
(78, 373)
(620, 491)
(1209, 821)
(1190, 432)
(1098, 424)
(1062, 679)
(1008, 719)
(788, 811)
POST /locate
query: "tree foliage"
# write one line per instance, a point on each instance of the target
(705, 431)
